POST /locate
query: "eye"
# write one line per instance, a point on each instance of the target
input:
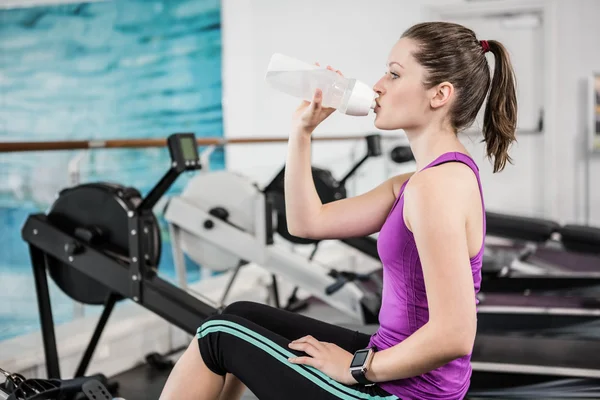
(394, 75)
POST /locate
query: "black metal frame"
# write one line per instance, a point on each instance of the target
(373, 150)
(135, 280)
(152, 292)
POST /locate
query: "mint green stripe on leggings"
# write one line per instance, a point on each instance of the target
(282, 354)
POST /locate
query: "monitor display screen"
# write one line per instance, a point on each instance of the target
(188, 149)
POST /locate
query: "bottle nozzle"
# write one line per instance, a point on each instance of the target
(360, 101)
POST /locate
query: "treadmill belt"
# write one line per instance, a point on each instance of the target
(563, 357)
(539, 315)
(568, 260)
(585, 330)
(557, 389)
(537, 301)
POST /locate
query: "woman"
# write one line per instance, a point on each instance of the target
(432, 230)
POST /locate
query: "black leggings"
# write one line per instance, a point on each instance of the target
(250, 341)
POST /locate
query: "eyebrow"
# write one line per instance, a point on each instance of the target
(394, 62)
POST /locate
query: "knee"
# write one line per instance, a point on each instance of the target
(212, 321)
(209, 341)
(218, 323)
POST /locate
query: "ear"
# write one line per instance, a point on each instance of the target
(441, 94)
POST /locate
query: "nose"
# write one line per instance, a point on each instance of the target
(379, 87)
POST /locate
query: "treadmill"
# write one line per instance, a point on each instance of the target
(524, 295)
(100, 243)
(541, 249)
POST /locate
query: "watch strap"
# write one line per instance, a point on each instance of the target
(360, 377)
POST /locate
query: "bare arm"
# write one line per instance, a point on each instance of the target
(437, 206)
(306, 216)
(352, 217)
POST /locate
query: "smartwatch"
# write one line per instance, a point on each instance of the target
(360, 365)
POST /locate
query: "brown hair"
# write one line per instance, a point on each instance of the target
(452, 53)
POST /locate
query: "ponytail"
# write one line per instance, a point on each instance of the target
(500, 117)
(450, 52)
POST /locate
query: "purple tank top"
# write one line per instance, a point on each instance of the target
(404, 306)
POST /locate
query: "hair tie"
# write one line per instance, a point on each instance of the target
(485, 45)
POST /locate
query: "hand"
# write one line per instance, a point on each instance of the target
(310, 114)
(328, 358)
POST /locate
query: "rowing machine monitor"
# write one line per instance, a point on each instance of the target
(184, 151)
(184, 157)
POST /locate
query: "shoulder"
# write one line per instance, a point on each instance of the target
(442, 177)
(444, 187)
(396, 182)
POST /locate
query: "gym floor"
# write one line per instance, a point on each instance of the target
(145, 382)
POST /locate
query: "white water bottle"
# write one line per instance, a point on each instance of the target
(300, 79)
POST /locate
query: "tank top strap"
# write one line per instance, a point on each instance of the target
(454, 156)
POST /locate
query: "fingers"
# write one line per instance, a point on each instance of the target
(306, 361)
(310, 346)
(315, 105)
(329, 67)
(307, 344)
(308, 339)
(307, 348)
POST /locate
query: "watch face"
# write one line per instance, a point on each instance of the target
(359, 358)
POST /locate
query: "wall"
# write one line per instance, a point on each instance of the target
(518, 189)
(358, 44)
(578, 57)
(100, 70)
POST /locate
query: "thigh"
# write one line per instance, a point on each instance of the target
(293, 326)
(259, 358)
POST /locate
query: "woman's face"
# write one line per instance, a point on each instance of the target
(403, 101)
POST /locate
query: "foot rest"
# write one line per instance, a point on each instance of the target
(94, 390)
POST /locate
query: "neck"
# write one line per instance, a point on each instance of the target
(430, 142)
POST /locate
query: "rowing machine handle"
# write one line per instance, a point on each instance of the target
(337, 285)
